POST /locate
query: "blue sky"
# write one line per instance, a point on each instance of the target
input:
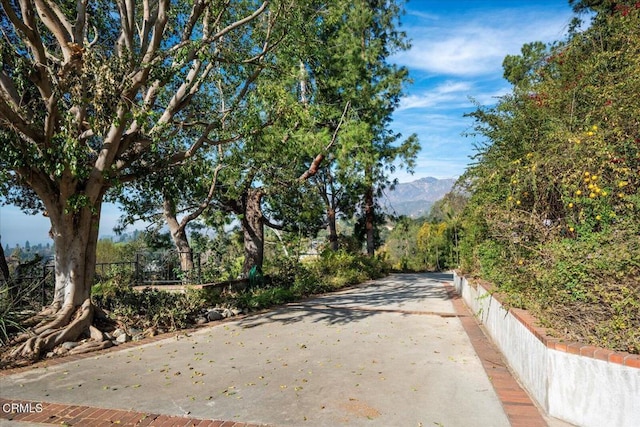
(456, 55)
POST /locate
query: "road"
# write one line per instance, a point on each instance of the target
(391, 353)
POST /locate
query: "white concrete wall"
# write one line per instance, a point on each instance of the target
(580, 390)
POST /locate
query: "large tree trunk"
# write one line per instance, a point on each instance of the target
(70, 315)
(369, 218)
(184, 249)
(253, 230)
(178, 234)
(75, 237)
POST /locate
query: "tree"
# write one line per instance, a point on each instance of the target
(339, 197)
(431, 240)
(97, 95)
(367, 36)
(268, 153)
(264, 186)
(176, 199)
(401, 245)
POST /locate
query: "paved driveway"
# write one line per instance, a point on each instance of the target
(391, 353)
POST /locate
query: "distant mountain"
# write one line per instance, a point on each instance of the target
(415, 198)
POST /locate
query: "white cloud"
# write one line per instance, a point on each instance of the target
(491, 97)
(448, 93)
(461, 55)
(453, 95)
(456, 57)
(475, 44)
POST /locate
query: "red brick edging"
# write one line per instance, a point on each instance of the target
(88, 416)
(520, 409)
(585, 350)
(530, 322)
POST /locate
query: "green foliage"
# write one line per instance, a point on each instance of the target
(286, 280)
(554, 193)
(344, 268)
(149, 307)
(401, 245)
(434, 243)
(431, 243)
(222, 255)
(291, 280)
(302, 278)
(353, 67)
(261, 298)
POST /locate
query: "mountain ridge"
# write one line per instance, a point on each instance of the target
(415, 198)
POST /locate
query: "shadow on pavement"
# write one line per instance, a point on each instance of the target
(359, 303)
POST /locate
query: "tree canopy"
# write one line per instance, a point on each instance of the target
(97, 95)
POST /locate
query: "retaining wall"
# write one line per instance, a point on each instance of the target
(583, 385)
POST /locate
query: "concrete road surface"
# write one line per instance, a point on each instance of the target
(391, 353)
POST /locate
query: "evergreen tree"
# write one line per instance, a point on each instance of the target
(367, 37)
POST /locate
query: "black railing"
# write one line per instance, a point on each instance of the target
(31, 285)
(155, 268)
(36, 283)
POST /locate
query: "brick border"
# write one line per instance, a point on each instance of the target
(519, 407)
(89, 416)
(530, 322)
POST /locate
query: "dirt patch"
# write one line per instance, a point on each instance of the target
(360, 409)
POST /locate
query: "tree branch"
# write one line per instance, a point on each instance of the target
(315, 164)
(196, 12)
(207, 201)
(13, 120)
(33, 40)
(54, 20)
(126, 9)
(158, 31)
(270, 224)
(8, 91)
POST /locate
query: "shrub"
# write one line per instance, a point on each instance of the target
(554, 192)
(343, 268)
(149, 307)
(9, 315)
(291, 280)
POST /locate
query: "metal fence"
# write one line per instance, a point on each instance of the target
(156, 268)
(35, 283)
(32, 285)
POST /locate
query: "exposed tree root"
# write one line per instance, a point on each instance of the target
(47, 314)
(69, 324)
(90, 346)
